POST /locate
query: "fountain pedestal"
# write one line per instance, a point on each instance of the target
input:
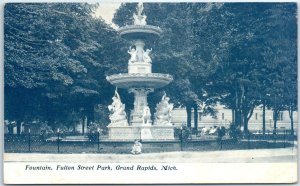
(129, 133)
(140, 81)
(140, 101)
(143, 68)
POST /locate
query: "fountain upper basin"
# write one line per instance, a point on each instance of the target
(133, 32)
(136, 80)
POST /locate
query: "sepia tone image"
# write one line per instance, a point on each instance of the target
(158, 89)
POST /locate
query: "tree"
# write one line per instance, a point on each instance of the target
(59, 54)
(227, 53)
(248, 78)
(282, 57)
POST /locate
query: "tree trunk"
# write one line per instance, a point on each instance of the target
(196, 118)
(292, 120)
(275, 115)
(238, 112)
(73, 120)
(49, 114)
(74, 126)
(88, 119)
(240, 107)
(233, 116)
(236, 122)
(264, 118)
(247, 115)
(189, 116)
(19, 127)
(245, 122)
(83, 122)
(238, 118)
(90, 114)
(92, 117)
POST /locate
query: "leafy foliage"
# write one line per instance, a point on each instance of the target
(232, 53)
(60, 54)
(241, 55)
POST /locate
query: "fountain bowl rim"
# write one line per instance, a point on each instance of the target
(139, 32)
(136, 80)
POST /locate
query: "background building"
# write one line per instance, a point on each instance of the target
(224, 118)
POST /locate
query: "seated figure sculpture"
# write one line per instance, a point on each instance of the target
(146, 116)
(136, 148)
(146, 56)
(117, 114)
(163, 111)
(133, 55)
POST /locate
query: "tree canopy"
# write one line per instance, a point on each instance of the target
(58, 53)
(232, 53)
(241, 55)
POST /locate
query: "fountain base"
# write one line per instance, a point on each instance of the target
(143, 132)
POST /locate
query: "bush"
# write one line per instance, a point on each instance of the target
(63, 131)
(186, 133)
(234, 132)
(46, 132)
(93, 131)
(221, 131)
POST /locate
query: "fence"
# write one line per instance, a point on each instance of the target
(28, 143)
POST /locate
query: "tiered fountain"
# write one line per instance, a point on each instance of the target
(140, 80)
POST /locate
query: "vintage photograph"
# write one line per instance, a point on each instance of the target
(143, 92)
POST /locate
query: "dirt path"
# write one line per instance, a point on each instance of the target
(232, 156)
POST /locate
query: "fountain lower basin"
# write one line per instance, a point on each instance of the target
(136, 80)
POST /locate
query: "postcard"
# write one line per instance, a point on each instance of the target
(150, 93)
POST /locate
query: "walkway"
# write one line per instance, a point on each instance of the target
(232, 156)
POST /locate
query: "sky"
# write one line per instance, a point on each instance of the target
(106, 11)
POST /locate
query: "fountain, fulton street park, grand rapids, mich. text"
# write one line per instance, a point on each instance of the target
(140, 80)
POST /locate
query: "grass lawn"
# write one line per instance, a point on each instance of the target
(21, 145)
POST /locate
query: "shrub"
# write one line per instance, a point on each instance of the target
(46, 132)
(93, 131)
(221, 131)
(234, 131)
(186, 132)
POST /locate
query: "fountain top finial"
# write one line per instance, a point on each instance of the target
(139, 30)
(139, 18)
(140, 8)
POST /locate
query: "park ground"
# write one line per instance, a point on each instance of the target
(281, 155)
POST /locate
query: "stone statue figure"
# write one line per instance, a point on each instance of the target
(140, 8)
(163, 113)
(133, 54)
(145, 132)
(146, 56)
(137, 147)
(117, 114)
(140, 19)
(146, 115)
